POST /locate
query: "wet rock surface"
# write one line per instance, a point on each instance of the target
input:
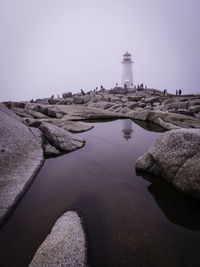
(64, 246)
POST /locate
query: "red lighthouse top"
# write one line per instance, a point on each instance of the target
(127, 56)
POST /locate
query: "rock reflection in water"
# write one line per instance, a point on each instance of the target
(178, 208)
(149, 126)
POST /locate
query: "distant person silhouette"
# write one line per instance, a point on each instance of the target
(125, 88)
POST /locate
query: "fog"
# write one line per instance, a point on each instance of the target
(54, 46)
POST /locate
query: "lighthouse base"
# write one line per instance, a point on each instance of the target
(122, 90)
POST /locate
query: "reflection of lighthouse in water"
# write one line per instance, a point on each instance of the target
(127, 129)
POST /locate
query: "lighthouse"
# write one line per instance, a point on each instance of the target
(127, 73)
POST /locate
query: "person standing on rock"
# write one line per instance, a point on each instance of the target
(176, 92)
(165, 92)
(180, 92)
(82, 92)
(125, 88)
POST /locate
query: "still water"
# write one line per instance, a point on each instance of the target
(130, 219)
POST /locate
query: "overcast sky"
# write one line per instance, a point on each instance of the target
(54, 46)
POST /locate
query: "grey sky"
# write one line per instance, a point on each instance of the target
(52, 46)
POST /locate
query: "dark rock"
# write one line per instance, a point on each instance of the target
(118, 90)
(197, 114)
(175, 156)
(53, 101)
(151, 100)
(66, 95)
(135, 98)
(51, 151)
(12, 104)
(78, 100)
(194, 109)
(42, 101)
(142, 105)
(133, 105)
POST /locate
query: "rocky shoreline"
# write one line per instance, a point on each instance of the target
(31, 131)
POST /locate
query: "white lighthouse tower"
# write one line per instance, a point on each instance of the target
(127, 73)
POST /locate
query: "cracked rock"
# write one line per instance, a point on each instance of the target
(175, 156)
(59, 138)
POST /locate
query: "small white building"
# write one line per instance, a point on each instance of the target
(127, 73)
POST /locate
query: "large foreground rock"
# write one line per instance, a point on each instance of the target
(176, 157)
(64, 246)
(21, 156)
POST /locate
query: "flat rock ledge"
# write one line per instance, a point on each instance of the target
(168, 121)
(175, 156)
(21, 156)
(64, 246)
(71, 126)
